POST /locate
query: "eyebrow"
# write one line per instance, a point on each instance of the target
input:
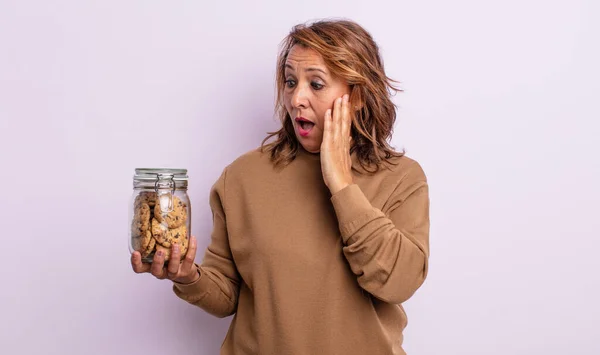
(308, 69)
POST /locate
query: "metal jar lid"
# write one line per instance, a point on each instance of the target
(161, 178)
(164, 181)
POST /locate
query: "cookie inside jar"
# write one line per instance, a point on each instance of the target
(159, 221)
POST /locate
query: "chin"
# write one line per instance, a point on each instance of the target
(311, 149)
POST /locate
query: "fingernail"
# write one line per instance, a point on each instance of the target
(159, 253)
(346, 98)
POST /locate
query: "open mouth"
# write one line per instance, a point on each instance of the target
(304, 126)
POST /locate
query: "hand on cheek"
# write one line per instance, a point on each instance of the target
(336, 163)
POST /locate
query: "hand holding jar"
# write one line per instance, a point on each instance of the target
(160, 215)
(182, 272)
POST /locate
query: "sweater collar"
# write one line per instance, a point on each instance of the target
(317, 158)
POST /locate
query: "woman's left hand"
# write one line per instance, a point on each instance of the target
(336, 164)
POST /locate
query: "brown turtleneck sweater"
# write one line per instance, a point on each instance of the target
(307, 273)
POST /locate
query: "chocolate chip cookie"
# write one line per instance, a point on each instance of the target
(175, 218)
(148, 197)
(150, 244)
(167, 236)
(141, 220)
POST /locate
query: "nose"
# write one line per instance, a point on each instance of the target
(299, 99)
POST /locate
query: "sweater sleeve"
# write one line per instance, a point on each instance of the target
(388, 252)
(216, 290)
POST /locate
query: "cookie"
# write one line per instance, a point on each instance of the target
(150, 246)
(166, 236)
(185, 243)
(159, 230)
(167, 251)
(135, 229)
(148, 197)
(141, 219)
(174, 219)
(144, 244)
(145, 241)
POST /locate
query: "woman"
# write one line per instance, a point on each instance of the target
(322, 234)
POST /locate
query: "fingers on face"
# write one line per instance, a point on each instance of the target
(346, 117)
(341, 119)
(338, 117)
(328, 121)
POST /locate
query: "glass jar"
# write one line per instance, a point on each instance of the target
(159, 212)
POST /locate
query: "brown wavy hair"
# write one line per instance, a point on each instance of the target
(351, 54)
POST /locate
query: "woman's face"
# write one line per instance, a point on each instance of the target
(310, 90)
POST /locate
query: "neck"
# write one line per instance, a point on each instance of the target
(309, 155)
